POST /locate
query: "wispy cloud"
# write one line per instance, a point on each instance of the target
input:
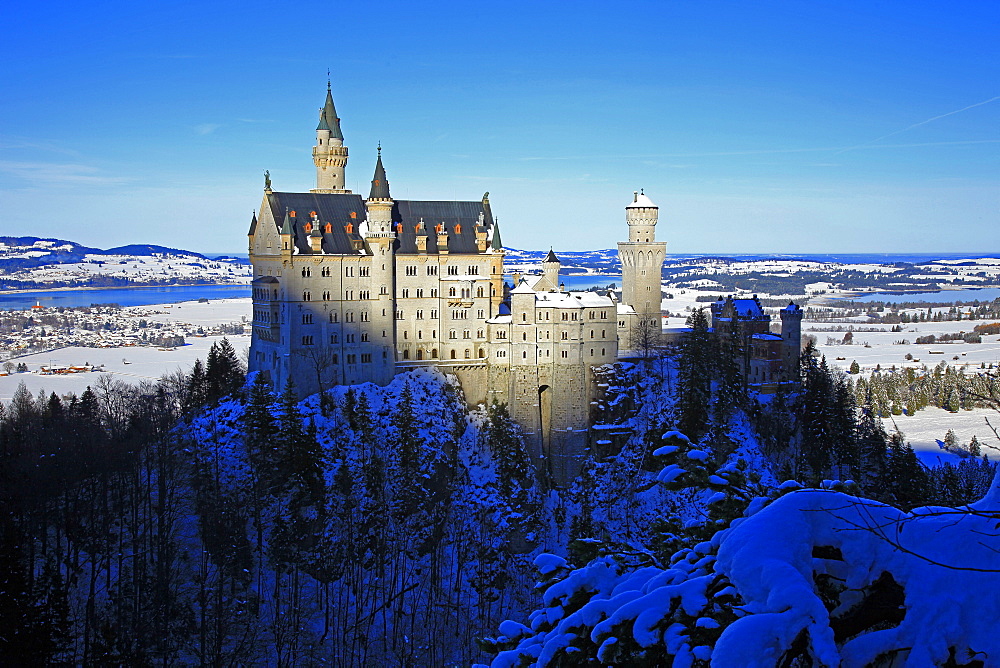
(207, 128)
(924, 122)
(762, 151)
(50, 173)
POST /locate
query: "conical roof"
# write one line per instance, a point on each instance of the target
(253, 224)
(551, 257)
(286, 226)
(495, 243)
(380, 186)
(328, 116)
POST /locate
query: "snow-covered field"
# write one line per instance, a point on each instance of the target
(928, 426)
(133, 364)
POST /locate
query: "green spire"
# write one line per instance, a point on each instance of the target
(380, 186)
(286, 227)
(328, 116)
(496, 244)
(253, 224)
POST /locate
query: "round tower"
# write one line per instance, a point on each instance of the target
(642, 265)
(791, 342)
(550, 269)
(329, 153)
(380, 238)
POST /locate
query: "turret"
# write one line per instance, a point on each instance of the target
(550, 268)
(641, 215)
(287, 234)
(791, 341)
(329, 153)
(379, 203)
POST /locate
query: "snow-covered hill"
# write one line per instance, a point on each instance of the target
(36, 263)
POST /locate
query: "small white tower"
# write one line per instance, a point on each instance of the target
(380, 238)
(329, 153)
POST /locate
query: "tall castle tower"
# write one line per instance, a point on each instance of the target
(380, 237)
(642, 262)
(329, 153)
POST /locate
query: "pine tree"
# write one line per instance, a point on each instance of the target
(507, 446)
(695, 366)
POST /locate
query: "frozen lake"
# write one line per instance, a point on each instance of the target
(121, 296)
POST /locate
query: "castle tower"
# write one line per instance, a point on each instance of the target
(329, 153)
(550, 269)
(642, 264)
(791, 340)
(380, 238)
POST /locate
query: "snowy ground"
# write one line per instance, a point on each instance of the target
(144, 363)
(885, 352)
(928, 426)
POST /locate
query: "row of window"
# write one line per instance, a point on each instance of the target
(545, 353)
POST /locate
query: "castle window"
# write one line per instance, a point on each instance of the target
(406, 293)
(468, 354)
(591, 333)
(591, 352)
(452, 334)
(306, 296)
(420, 314)
(473, 270)
(565, 336)
(420, 354)
(603, 335)
(576, 316)
(524, 355)
(602, 351)
(307, 318)
(326, 295)
(349, 294)
(565, 316)
(453, 354)
(434, 354)
(352, 359)
(565, 354)
(451, 292)
(466, 334)
(604, 315)
(399, 315)
(432, 271)
(434, 314)
(307, 340)
(364, 271)
(333, 338)
(384, 290)
(406, 354)
(482, 354)
(411, 270)
(434, 293)
(349, 338)
(349, 271)
(364, 336)
(524, 317)
(335, 359)
(420, 334)
(333, 316)
(453, 271)
(406, 335)
(524, 336)
(479, 291)
(420, 293)
(466, 293)
(502, 334)
(349, 316)
(434, 333)
(501, 353)
(364, 294)
(479, 333)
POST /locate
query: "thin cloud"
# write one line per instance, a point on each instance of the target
(48, 174)
(207, 128)
(924, 122)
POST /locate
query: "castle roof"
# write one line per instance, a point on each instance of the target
(640, 201)
(747, 308)
(551, 257)
(328, 117)
(380, 185)
(341, 209)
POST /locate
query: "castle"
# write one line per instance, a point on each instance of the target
(348, 290)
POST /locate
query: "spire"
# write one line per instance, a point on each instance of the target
(253, 224)
(328, 116)
(551, 257)
(380, 186)
(495, 243)
(286, 227)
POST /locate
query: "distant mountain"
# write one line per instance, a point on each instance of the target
(148, 249)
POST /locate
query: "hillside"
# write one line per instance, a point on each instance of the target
(33, 263)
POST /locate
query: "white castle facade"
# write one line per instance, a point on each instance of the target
(349, 290)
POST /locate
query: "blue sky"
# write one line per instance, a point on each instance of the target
(756, 127)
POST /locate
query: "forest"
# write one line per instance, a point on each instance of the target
(210, 519)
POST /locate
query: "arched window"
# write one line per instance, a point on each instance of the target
(453, 354)
(479, 291)
(420, 354)
(406, 354)
(468, 354)
(451, 292)
(482, 353)
(434, 353)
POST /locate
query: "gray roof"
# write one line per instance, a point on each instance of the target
(551, 257)
(328, 116)
(336, 209)
(380, 185)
